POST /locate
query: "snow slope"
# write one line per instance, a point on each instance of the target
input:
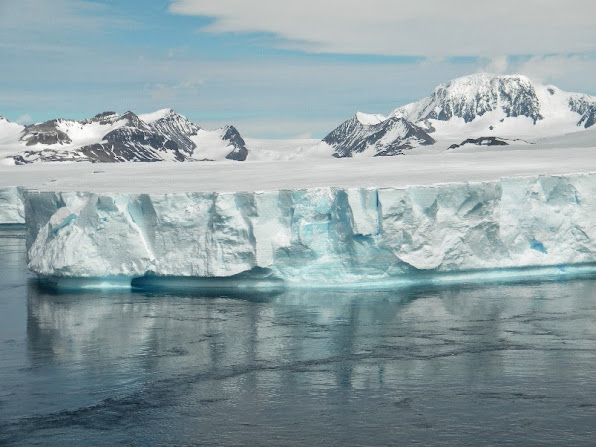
(151, 117)
(461, 165)
(287, 149)
(370, 119)
(9, 132)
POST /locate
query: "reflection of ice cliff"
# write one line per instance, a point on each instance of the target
(316, 237)
(333, 339)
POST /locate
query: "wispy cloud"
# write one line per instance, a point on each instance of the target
(573, 69)
(75, 58)
(410, 27)
(498, 65)
(170, 92)
(24, 119)
(55, 26)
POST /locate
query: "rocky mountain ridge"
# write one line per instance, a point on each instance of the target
(478, 110)
(111, 137)
(480, 107)
(361, 135)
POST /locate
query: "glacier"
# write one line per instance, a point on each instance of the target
(315, 237)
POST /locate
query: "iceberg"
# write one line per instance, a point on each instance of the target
(12, 209)
(315, 237)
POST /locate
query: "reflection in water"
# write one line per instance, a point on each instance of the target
(436, 365)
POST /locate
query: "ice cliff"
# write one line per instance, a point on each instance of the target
(316, 237)
(12, 210)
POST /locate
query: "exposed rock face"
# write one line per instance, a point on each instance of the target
(482, 141)
(44, 133)
(481, 109)
(179, 129)
(586, 107)
(111, 138)
(511, 96)
(472, 96)
(135, 141)
(128, 144)
(239, 151)
(386, 137)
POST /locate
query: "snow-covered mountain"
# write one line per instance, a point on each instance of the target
(507, 106)
(375, 135)
(473, 96)
(469, 113)
(489, 109)
(111, 137)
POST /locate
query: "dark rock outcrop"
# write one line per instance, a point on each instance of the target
(44, 133)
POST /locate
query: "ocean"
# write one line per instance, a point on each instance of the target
(469, 364)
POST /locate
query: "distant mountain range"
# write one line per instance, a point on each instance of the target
(476, 110)
(110, 137)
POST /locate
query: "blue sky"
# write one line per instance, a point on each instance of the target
(276, 69)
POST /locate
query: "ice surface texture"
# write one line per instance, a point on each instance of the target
(12, 210)
(316, 237)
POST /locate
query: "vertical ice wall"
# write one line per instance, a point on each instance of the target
(12, 210)
(319, 236)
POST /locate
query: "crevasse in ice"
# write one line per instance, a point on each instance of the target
(321, 236)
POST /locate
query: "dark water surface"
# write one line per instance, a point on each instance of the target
(467, 365)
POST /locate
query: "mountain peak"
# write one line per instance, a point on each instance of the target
(113, 137)
(369, 119)
(473, 83)
(104, 114)
(150, 118)
(376, 136)
(472, 96)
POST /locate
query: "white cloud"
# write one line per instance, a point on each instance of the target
(56, 26)
(169, 92)
(551, 69)
(271, 94)
(24, 119)
(409, 27)
(498, 64)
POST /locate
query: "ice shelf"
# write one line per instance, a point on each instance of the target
(314, 237)
(12, 210)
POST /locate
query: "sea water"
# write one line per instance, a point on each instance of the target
(467, 364)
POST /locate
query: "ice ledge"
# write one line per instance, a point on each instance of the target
(320, 237)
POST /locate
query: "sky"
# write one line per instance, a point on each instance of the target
(276, 68)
